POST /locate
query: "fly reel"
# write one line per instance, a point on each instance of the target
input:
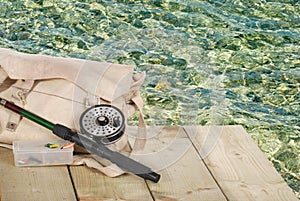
(104, 123)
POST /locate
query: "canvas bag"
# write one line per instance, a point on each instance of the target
(59, 90)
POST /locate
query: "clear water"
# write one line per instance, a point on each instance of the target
(207, 62)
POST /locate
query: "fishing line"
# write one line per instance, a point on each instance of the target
(101, 125)
(49, 94)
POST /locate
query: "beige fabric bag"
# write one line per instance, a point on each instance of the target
(59, 90)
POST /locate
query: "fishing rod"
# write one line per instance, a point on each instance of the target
(100, 125)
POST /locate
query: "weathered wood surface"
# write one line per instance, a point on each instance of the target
(240, 168)
(184, 175)
(92, 185)
(196, 163)
(33, 183)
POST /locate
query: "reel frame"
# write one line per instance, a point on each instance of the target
(103, 123)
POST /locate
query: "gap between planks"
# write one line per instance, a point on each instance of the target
(184, 175)
(228, 153)
(183, 178)
(33, 183)
(239, 167)
(72, 182)
(192, 138)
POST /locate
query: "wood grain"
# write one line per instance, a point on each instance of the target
(195, 163)
(238, 165)
(183, 174)
(33, 183)
(92, 185)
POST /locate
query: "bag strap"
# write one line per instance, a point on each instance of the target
(27, 67)
(18, 91)
(141, 137)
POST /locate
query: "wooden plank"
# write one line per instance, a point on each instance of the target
(33, 183)
(184, 176)
(241, 169)
(91, 185)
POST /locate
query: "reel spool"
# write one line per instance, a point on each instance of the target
(104, 123)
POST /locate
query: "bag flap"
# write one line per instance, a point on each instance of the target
(109, 81)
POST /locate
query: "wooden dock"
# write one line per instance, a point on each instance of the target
(196, 163)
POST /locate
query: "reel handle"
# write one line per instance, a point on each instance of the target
(101, 150)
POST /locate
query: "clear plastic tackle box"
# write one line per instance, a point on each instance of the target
(42, 153)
